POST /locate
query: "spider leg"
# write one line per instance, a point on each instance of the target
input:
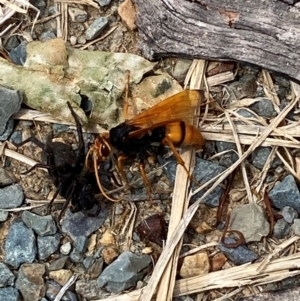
(33, 140)
(54, 197)
(68, 200)
(79, 133)
(38, 165)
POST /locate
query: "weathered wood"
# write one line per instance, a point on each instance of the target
(262, 32)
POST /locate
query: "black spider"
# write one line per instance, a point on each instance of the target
(67, 170)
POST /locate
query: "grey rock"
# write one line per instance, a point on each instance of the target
(25, 124)
(78, 224)
(289, 214)
(245, 87)
(11, 196)
(10, 103)
(6, 178)
(19, 54)
(53, 288)
(30, 281)
(124, 272)
(47, 35)
(7, 278)
(47, 245)
(250, 219)
(76, 256)
(103, 2)
(12, 42)
(41, 5)
(231, 156)
(16, 137)
(203, 172)
(81, 40)
(88, 261)
(8, 130)
(239, 255)
(245, 113)
(3, 216)
(20, 245)
(80, 243)
(9, 294)
(260, 155)
(180, 69)
(41, 225)
(296, 226)
(90, 289)
(281, 228)
(66, 248)
(77, 14)
(58, 264)
(264, 108)
(285, 194)
(96, 28)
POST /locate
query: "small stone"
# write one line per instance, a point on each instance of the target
(195, 265)
(264, 108)
(11, 196)
(124, 272)
(76, 256)
(6, 178)
(96, 269)
(65, 249)
(289, 214)
(281, 228)
(217, 262)
(180, 69)
(127, 13)
(53, 288)
(239, 255)
(9, 294)
(20, 245)
(89, 289)
(18, 55)
(30, 281)
(42, 225)
(3, 216)
(58, 264)
(250, 219)
(61, 276)
(230, 156)
(77, 14)
(96, 28)
(285, 194)
(47, 36)
(73, 40)
(47, 245)
(12, 42)
(10, 103)
(246, 113)
(8, 130)
(81, 40)
(107, 238)
(16, 137)
(260, 156)
(109, 254)
(7, 278)
(103, 2)
(245, 87)
(296, 226)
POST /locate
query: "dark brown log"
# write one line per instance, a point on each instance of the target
(261, 32)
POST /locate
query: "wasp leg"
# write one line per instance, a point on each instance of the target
(167, 141)
(145, 179)
(121, 160)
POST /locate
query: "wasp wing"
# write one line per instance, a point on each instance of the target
(180, 106)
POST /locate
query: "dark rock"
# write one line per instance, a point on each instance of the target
(18, 54)
(96, 268)
(30, 281)
(203, 172)
(264, 108)
(77, 14)
(245, 113)
(260, 156)
(88, 261)
(41, 225)
(8, 129)
(6, 178)
(124, 272)
(281, 228)
(58, 264)
(285, 194)
(12, 42)
(7, 278)
(245, 87)
(239, 255)
(47, 35)
(296, 226)
(80, 243)
(96, 28)
(53, 288)
(11, 196)
(16, 137)
(289, 214)
(9, 294)
(20, 245)
(250, 219)
(76, 256)
(78, 224)
(152, 229)
(47, 245)
(231, 156)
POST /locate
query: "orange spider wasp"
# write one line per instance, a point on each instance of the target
(166, 123)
